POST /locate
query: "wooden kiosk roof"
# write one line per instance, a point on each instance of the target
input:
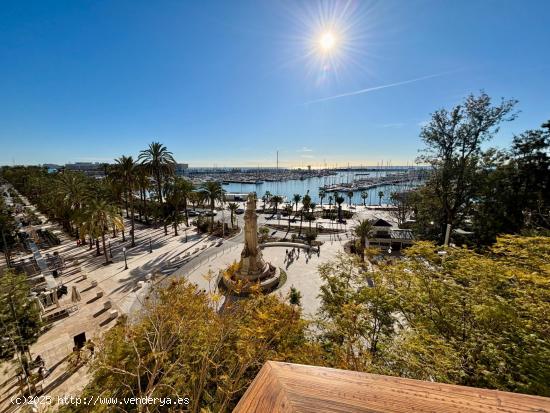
(285, 387)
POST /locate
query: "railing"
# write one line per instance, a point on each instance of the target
(285, 387)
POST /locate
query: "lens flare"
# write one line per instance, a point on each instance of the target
(327, 41)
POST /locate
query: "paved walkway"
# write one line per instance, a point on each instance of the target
(192, 257)
(102, 284)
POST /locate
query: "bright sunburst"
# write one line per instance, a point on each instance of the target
(327, 41)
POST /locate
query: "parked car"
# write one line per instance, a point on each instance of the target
(209, 213)
(239, 211)
(192, 213)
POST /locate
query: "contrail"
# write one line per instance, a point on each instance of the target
(371, 89)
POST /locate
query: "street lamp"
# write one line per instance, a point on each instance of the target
(125, 261)
(110, 250)
(150, 246)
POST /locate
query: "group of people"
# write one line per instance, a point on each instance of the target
(294, 253)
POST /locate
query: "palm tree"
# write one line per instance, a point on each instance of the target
(363, 230)
(160, 162)
(143, 184)
(71, 188)
(194, 198)
(364, 195)
(185, 187)
(99, 217)
(330, 199)
(212, 191)
(276, 200)
(339, 200)
(306, 204)
(177, 192)
(311, 215)
(380, 196)
(125, 170)
(266, 198)
(297, 198)
(288, 210)
(322, 194)
(350, 195)
(111, 189)
(233, 208)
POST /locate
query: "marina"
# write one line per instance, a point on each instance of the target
(344, 181)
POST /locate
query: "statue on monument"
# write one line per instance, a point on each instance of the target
(252, 262)
(252, 270)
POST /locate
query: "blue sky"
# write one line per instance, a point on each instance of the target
(231, 82)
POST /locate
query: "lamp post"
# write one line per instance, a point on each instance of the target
(125, 261)
(150, 246)
(110, 250)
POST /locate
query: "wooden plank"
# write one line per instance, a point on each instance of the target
(285, 387)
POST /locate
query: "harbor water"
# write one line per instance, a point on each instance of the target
(297, 186)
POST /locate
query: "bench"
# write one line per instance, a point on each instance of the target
(107, 305)
(113, 314)
(94, 283)
(99, 294)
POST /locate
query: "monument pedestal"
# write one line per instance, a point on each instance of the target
(253, 271)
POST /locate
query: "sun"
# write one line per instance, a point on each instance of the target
(327, 42)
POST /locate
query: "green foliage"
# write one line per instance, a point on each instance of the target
(459, 316)
(453, 142)
(363, 230)
(310, 235)
(181, 346)
(20, 322)
(263, 233)
(295, 296)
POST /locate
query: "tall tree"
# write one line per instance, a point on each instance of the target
(213, 192)
(160, 162)
(233, 206)
(72, 191)
(297, 198)
(143, 185)
(364, 196)
(363, 230)
(99, 217)
(125, 170)
(380, 196)
(275, 201)
(339, 201)
(288, 211)
(322, 195)
(20, 321)
(453, 142)
(306, 205)
(350, 197)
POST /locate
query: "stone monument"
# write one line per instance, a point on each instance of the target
(252, 263)
(253, 270)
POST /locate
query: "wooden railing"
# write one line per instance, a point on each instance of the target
(285, 387)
